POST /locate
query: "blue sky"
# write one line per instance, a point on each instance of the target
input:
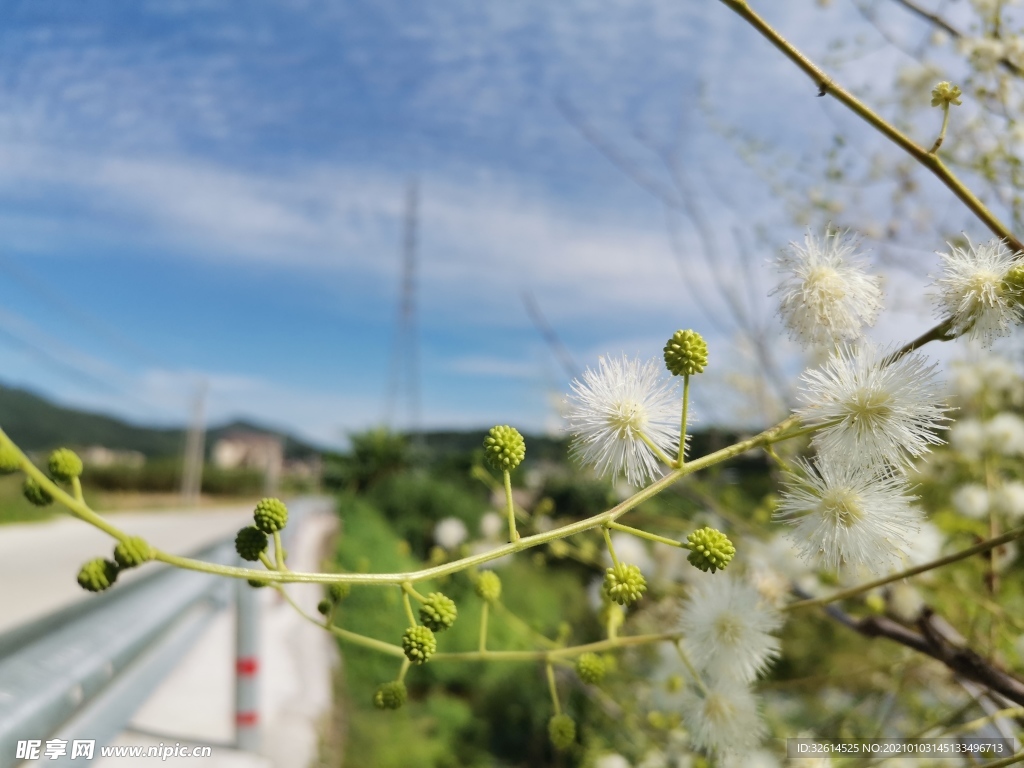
(194, 190)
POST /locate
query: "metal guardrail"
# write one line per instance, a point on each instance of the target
(83, 671)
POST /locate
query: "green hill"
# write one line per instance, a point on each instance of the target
(36, 424)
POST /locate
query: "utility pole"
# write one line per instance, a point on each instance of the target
(405, 359)
(192, 472)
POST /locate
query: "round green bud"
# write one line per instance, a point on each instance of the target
(256, 583)
(686, 353)
(35, 493)
(1013, 282)
(709, 549)
(624, 584)
(390, 695)
(271, 515)
(488, 586)
(324, 607)
(133, 552)
(504, 448)
(10, 461)
(562, 731)
(590, 667)
(64, 464)
(339, 591)
(438, 612)
(250, 543)
(419, 644)
(97, 575)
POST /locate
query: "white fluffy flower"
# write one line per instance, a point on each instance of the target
(610, 410)
(967, 436)
(725, 719)
(450, 532)
(972, 290)
(826, 295)
(877, 412)
(492, 525)
(1009, 499)
(727, 629)
(854, 515)
(612, 760)
(1005, 434)
(971, 500)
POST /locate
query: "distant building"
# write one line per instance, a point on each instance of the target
(252, 450)
(98, 456)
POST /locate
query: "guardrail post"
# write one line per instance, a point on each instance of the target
(247, 667)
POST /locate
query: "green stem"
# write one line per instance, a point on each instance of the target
(553, 688)
(942, 133)
(514, 619)
(689, 666)
(403, 670)
(785, 465)
(76, 486)
(560, 653)
(608, 543)
(984, 546)
(657, 451)
(682, 426)
(367, 642)
(827, 87)
(482, 646)
(513, 534)
(266, 562)
(408, 588)
(408, 608)
(527, 542)
(279, 551)
(645, 535)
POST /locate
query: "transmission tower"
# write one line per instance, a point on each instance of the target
(405, 355)
(192, 473)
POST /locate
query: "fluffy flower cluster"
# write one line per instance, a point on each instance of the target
(826, 295)
(848, 514)
(618, 412)
(728, 636)
(875, 410)
(976, 291)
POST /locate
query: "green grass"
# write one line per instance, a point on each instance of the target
(459, 714)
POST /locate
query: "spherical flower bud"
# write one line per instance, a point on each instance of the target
(390, 695)
(624, 584)
(562, 731)
(488, 586)
(504, 448)
(35, 493)
(709, 549)
(65, 464)
(271, 515)
(250, 543)
(946, 93)
(686, 353)
(132, 552)
(97, 575)
(323, 607)
(1013, 281)
(439, 612)
(10, 461)
(590, 667)
(256, 583)
(339, 591)
(419, 644)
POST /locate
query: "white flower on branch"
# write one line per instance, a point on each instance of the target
(971, 500)
(826, 295)
(876, 411)
(1005, 434)
(723, 719)
(727, 629)
(450, 532)
(848, 514)
(613, 409)
(974, 292)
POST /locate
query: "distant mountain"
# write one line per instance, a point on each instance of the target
(36, 424)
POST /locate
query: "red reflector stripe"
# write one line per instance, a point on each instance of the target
(247, 718)
(247, 665)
